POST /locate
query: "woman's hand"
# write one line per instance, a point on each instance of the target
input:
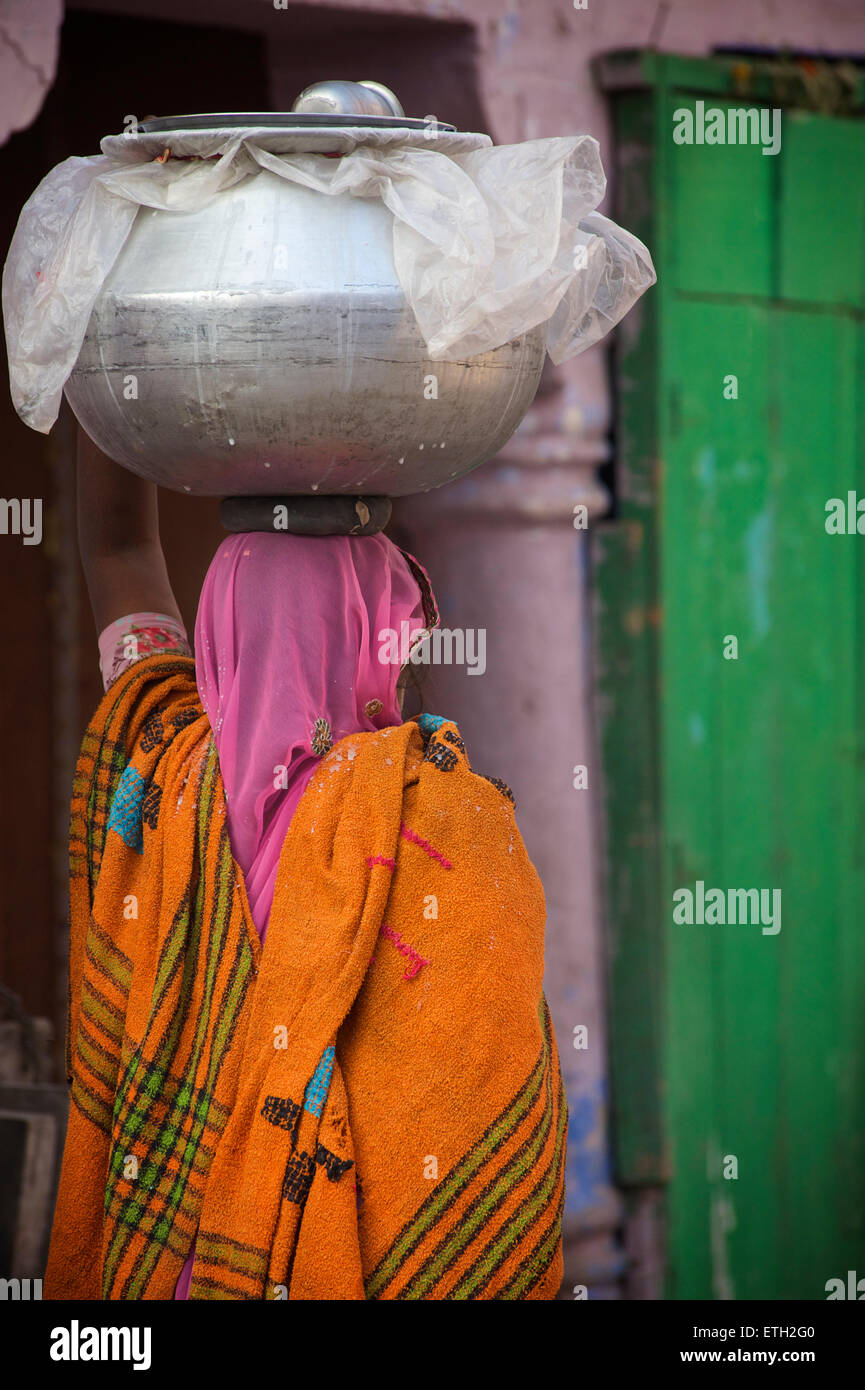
(118, 537)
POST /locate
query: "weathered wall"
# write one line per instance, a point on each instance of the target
(29, 41)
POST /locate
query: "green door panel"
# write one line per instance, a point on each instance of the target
(820, 244)
(738, 1071)
(720, 237)
(717, 522)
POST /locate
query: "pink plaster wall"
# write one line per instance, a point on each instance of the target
(29, 40)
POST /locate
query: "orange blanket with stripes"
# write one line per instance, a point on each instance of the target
(369, 1106)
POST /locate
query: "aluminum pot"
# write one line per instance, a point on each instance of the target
(263, 345)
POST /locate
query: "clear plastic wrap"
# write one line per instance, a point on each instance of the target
(488, 243)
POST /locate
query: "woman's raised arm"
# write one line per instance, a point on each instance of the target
(118, 537)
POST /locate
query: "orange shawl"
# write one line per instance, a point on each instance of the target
(369, 1106)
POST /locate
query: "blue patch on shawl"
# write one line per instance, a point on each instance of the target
(316, 1092)
(428, 723)
(125, 814)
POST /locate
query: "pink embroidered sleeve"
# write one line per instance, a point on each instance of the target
(138, 635)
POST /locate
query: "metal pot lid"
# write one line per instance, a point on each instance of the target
(283, 120)
(296, 136)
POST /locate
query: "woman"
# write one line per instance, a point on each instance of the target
(308, 1049)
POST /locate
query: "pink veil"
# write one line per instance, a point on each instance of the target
(287, 643)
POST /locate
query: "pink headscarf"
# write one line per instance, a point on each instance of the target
(288, 634)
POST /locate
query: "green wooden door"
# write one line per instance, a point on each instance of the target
(739, 1081)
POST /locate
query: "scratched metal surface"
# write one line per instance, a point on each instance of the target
(264, 345)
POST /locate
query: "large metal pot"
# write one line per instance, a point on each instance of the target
(264, 345)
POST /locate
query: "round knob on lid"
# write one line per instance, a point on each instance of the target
(385, 93)
(338, 98)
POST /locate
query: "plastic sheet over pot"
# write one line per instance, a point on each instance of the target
(487, 249)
